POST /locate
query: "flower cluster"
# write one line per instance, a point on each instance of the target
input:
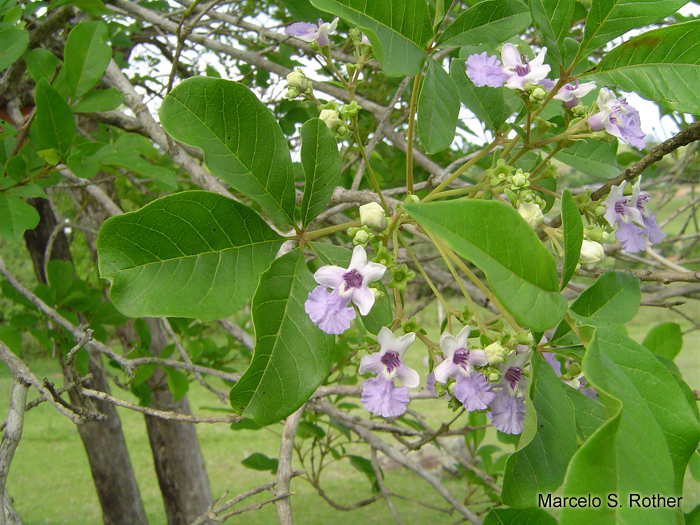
(331, 310)
(517, 72)
(634, 222)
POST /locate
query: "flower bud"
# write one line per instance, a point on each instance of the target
(350, 110)
(538, 95)
(599, 211)
(520, 180)
(291, 93)
(372, 216)
(591, 254)
(361, 237)
(331, 118)
(411, 199)
(297, 80)
(494, 376)
(531, 213)
(595, 233)
(495, 353)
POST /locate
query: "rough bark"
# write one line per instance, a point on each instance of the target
(104, 441)
(178, 459)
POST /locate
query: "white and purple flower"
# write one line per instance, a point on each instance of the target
(571, 94)
(618, 118)
(308, 31)
(519, 72)
(379, 394)
(331, 311)
(508, 406)
(472, 389)
(631, 217)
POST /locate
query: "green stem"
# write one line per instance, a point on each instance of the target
(476, 158)
(309, 236)
(409, 138)
(368, 167)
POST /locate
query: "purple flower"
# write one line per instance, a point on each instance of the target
(387, 362)
(622, 212)
(380, 396)
(617, 118)
(485, 70)
(508, 406)
(309, 31)
(572, 93)
(352, 283)
(473, 391)
(652, 230)
(459, 360)
(329, 311)
(519, 73)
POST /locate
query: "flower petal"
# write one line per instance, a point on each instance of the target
(364, 299)
(331, 276)
(306, 31)
(462, 337)
(445, 370)
(507, 412)
(408, 376)
(386, 340)
(381, 397)
(371, 363)
(372, 272)
(448, 345)
(477, 358)
(403, 342)
(473, 391)
(359, 259)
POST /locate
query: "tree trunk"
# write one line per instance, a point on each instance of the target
(180, 468)
(104, 441)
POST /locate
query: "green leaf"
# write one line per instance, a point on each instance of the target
(492, 21)
(245, 424)
(380, 314)
(553, 22)
(364, 465)
(693, 517)
(16, 168)
(321, 162)
(241, 140)
(54, 124)
(547, 443)
(597, 158)
(573, 236)
(16, 216)
(258, 461)
(292, 356)
(608, 19)
(41, 63)
(661, 65)
(86, 57)
(589, 413)
(399, 30)
(192, 254)
(99, 100)
(61, 276)
(438, 109)
(531, 516)
(92, 7)
(13, 42)
(127, 153)
(665, 339)
(492, 106)
(611, 301)
(12, 338)
(493, 236)
(177, 383)
(646, 443)
(309, 430)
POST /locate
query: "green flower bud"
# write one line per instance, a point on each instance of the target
(352, 231)
(440, 389)
(599, 211)
(350, 110)
(574, 369)
(579, 110)
(361, 237)
(341, 130)
(591, 254)
(297, 80)
(538, 94)
(519, 181)
(412, 199)
(454, 404)
(411, 325)
(291, 93)
(400, 277)
(527, 196)
(494, 376)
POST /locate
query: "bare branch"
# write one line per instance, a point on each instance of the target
(284, 468)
